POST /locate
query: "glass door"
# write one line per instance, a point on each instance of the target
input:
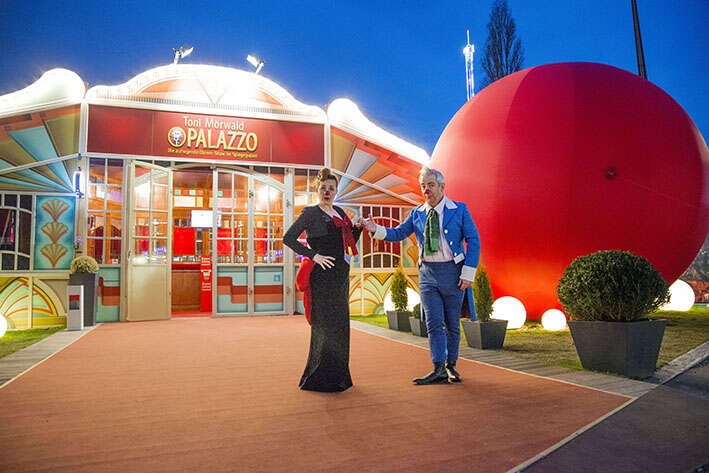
(249, 231)
(149, 250)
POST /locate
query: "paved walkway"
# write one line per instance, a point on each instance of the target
(21, 361)
(612, 384)
(664, 428)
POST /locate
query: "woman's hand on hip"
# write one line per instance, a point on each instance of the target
(325, 262)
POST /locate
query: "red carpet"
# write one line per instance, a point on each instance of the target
(222, 395)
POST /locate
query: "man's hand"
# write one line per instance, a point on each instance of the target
(464, 284)
(370, 225)
(324, 261)
(359, 222)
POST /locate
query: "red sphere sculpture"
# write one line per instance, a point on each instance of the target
(562, 160)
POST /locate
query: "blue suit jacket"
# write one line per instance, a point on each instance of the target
(457, 225)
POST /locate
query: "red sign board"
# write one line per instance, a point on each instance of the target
(205, 271)
(186, 135)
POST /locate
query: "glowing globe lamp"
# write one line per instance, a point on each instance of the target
(553, 319)
(510, 309)
(413, 299)
(681, 297)
(3, 325)
(563, 160)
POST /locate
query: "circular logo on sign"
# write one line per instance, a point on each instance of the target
(176, 136)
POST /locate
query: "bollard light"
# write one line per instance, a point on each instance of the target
(681, 297)
(413, 299)
(510, 309)
(553, 319)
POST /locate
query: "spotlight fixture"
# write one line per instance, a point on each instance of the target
(184, 51)
(255, 61)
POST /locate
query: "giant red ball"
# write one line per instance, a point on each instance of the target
(561, 160)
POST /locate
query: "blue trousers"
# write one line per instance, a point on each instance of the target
(441, 300)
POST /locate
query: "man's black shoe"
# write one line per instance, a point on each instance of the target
(453, 375)
(439, 375)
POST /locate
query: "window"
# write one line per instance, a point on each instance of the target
(15, 231)
(268, 223)
(232, 218)
(380, 254)
(105, 198)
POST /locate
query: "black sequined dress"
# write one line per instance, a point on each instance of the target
(327, 369)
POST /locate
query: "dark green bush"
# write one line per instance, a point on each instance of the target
(398, 291)
(482, 294)
(83, 264)
(611, 285)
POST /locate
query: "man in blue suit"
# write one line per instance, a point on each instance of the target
(446, 268)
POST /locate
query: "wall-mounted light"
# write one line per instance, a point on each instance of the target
(78, 183)
(255, 61)
(184, 51)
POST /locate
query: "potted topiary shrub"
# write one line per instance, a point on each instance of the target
(608, 295)
(399, 317)
(84, 271)
(418, 322)
(484, 333)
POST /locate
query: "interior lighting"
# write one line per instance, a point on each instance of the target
(510, 309)
(681, 297)
(3, 326)
(255, 61)
(553, 319)
(184, 51)
(413, 299)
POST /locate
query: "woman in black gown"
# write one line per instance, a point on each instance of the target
(328, 230)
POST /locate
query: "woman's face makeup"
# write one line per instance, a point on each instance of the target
(327, 191)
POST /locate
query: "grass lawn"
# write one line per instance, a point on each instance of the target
(16, 340)
(685, 331)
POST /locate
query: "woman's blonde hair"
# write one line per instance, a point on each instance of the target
(324, 175)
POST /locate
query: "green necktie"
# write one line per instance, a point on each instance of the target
(431, 233)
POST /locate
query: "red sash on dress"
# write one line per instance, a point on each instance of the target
(302, 282)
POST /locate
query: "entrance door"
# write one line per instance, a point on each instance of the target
(249, 231)
(149, 250)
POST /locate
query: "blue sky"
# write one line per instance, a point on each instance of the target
(401, 62)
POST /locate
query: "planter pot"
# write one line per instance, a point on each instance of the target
(627, 348)
(418, 327)
(399, 320)
(485, 335)
(90, 283)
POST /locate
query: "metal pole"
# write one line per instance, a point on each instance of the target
(638, 42)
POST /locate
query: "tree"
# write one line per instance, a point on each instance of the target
(503, 53)
(482, 295)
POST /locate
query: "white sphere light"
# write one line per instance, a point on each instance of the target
(3, 325)
(553, 319)
(413, 299)
(681, 297)
(510, 309)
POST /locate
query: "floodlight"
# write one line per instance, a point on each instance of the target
(184, 51)
(255, 61)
